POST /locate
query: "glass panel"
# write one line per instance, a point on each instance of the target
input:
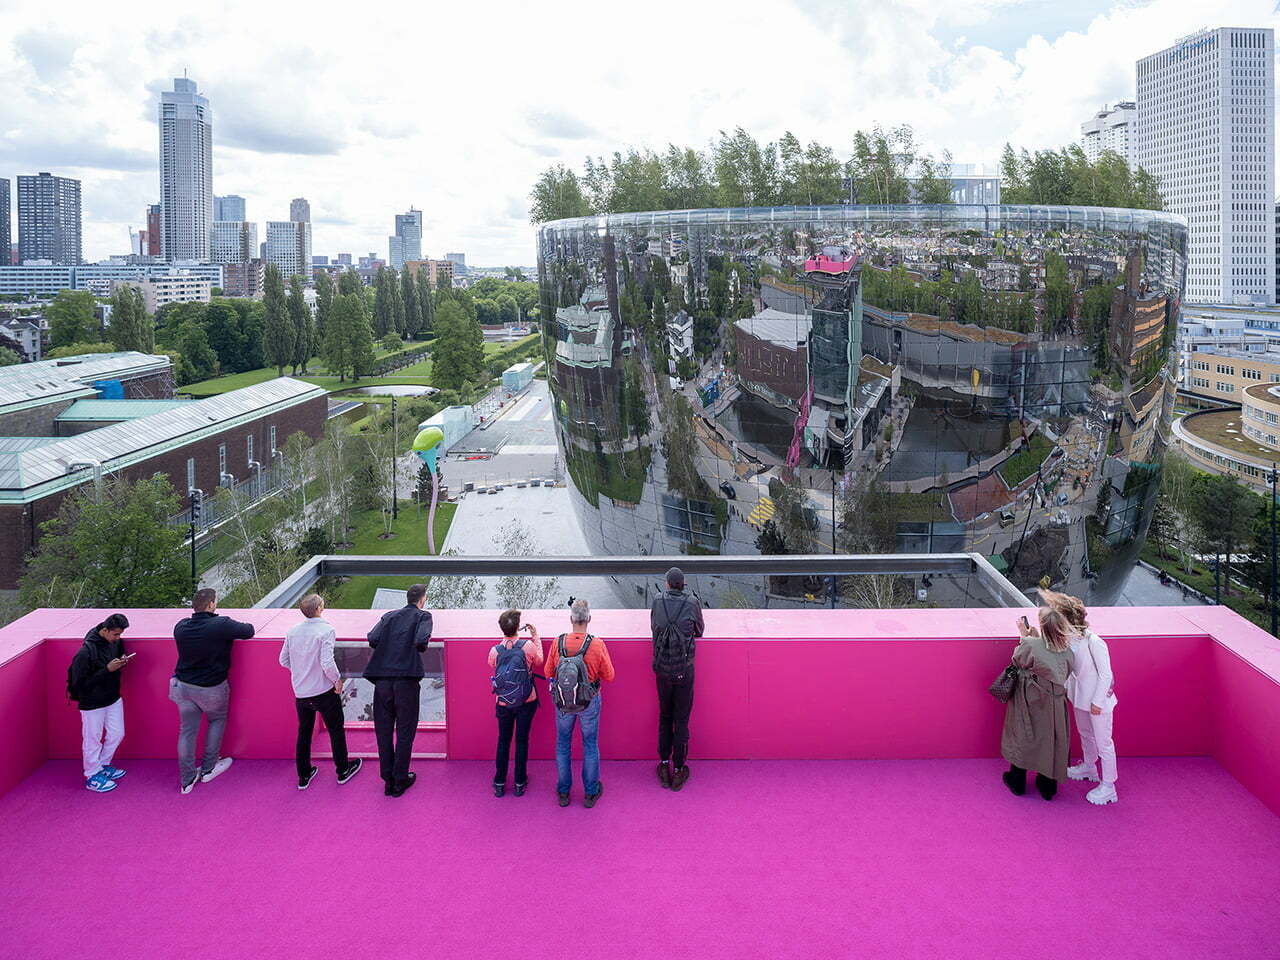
(867, 379)
(352, 656)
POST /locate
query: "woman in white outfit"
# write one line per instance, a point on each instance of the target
(1091, 690)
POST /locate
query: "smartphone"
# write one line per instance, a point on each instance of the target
(525, 627)
(1026, 624)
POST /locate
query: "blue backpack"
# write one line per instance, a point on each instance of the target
(511, 680)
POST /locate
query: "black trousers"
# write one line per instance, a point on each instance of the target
(329, 706)
(395, 723)
(517, 720)
(675, 703)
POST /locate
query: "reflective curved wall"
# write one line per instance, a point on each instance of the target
(866, 379)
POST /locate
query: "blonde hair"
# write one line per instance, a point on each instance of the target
(1056, 629)
(1072, 608)
(311, 605)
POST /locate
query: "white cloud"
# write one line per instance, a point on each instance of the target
(456, 113)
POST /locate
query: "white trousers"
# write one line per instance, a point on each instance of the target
(1095, 737)
(102, 730)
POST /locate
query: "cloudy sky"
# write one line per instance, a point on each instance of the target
(456, 107)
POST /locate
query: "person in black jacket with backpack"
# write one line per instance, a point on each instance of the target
(676, 622)
(396, 671)
(93, 681)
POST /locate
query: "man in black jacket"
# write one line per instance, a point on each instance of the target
(396, 672)
(676, 622)
(93, 681)
(200, 687)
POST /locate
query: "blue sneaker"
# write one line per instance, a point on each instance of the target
(111, 773)
(99, 784)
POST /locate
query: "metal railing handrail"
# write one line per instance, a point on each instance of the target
(294, 587)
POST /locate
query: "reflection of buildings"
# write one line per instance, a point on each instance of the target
(936, 375)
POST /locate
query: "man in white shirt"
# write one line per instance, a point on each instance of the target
(317, 687)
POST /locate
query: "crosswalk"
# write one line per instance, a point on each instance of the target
(761, 513)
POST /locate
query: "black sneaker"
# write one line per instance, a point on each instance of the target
(403, 788)
(387, 789)
(664, 774)
(521, 788)
(1017, 786)
(352, 769)
(679, 777)
(563, 799)
(499, 788)
(304, 782)
(589, 801)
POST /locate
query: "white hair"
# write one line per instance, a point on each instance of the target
(580, 611)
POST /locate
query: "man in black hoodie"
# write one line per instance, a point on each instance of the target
(200, 687)
(395, 669)
(676, 622)
(93, 681)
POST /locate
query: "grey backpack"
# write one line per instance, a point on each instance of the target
(571, 688)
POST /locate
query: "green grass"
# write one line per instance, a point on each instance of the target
(232, 381)
(513, 345)
(410, 539)
(1248, 604)
(919, 506)
(1025, 463)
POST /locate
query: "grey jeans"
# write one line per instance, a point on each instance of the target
(193, 701)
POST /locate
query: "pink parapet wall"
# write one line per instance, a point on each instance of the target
(870, 684)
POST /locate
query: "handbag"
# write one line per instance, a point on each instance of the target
(1089, 643)
(1003, 685)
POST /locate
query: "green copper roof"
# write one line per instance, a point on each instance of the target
(117, 409)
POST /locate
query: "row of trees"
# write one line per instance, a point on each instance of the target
(1068, 177)
(1200, 515)
(882, 166)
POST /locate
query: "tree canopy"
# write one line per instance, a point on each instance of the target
(879, 166)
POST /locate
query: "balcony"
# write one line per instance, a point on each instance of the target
(845, 801)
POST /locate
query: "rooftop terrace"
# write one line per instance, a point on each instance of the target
(845, 801)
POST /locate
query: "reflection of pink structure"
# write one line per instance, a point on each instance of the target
(802, 421)
(892, 834)
(834, 266)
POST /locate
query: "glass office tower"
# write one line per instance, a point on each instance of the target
(855, 379)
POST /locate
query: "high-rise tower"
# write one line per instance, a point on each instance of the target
(1206, 129)
(186, 172)
(49, 219)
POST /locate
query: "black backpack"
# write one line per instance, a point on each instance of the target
(672, 650)
(73, 695)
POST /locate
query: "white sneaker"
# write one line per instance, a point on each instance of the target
(1083, 771)
(218, 768)
(1103, 793)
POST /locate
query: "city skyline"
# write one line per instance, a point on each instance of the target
(969, 79)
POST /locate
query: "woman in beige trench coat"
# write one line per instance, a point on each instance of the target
(1037, 718)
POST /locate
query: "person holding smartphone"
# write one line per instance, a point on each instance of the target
(1037, 719)
(93, 681)
(514, 662)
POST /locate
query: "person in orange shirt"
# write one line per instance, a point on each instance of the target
(577, 664)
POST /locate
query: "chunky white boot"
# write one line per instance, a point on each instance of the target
(1103, 793)
(1083, 771)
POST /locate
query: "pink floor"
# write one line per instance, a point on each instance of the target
(800, 859)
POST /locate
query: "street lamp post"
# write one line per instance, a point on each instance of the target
(1274, 631)
(395, 450)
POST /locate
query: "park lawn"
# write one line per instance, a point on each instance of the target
(1248, 603)
(411, 538)
(417, 374)
(490, 348)
(232, 381)
(1026, 462)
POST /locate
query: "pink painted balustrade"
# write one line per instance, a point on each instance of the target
(868, 684)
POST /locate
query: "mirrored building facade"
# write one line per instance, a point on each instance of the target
(862, 379)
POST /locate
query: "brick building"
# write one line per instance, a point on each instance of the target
(32, 395)
(202, 443)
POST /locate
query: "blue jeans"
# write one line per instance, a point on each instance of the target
(590, 718)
